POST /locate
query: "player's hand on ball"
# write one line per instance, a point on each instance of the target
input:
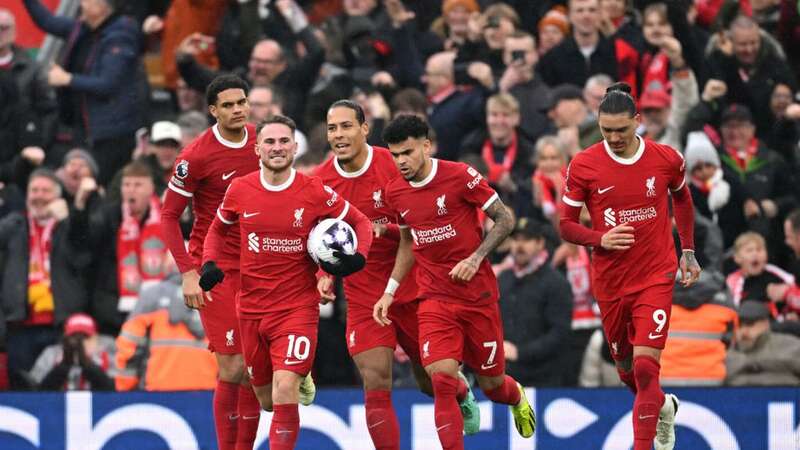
(618, 238)
(325, 289)
(192, 295)
(348, 264)
(210, 276)
(465, 269)
(380, 312)
(690, 269)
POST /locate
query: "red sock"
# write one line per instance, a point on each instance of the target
(461, 394)
(226, 418)
(507, 393)
(285, 426)
(628, 379)
(382, 420)
(447, 415)
(249, 413)
(647, 404)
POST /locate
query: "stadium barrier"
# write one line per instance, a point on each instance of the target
(718, 419)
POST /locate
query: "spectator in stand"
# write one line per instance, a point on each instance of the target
(618, 21)
(269, 63)
(550, 159)
(192, 124)
(754, 276)
(701, 327)
(520, 80)
(188, 99)
(760, 357)
(788, 293)
(84, 360)
(452, 112)
(41, 275)
(19, 149)
(587, 52)
(124, 236)
(572, 119)
(553, 28)
(162, 345)
(37, 100)
(452, 27)
(785, 131)
(264, 103)
(536, 308)
(487, 37)
(664, 110)
(750, 65)
(506, 152)
(715, 196)
(593, 92)
(78, 164)
(165, 143)
(101, 79)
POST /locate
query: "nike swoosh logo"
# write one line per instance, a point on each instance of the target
(225, 176)
(485, 367)
(233, 416)
(246, 215)
(250, 417)
(604, 190)
(442, 427)
(291, 363)
(376, 424)
(654, 336)
(403, 214)
(646, 417)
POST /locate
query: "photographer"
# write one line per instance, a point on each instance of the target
(83, 361)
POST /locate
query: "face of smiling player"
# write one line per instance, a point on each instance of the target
(347, 138)
(276, 147)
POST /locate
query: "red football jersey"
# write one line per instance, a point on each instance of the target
(203, 171)
(442, 213)
(366, 190)
(277, 272)
(633, 191)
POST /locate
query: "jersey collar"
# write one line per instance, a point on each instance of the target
(626, 161)
(226, 142)
(358, 172)
(277, 188)
(419, 184)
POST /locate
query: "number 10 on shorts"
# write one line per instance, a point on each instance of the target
(299, 348)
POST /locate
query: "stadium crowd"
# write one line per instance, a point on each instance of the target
(90, 297)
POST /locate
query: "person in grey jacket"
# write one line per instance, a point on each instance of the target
(761, 357)
(536, 305)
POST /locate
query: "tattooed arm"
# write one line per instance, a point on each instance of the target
(503, 224)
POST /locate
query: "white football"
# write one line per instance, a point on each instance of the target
(330, 235)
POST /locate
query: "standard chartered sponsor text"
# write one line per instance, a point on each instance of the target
(282, 245)
(636, 215)
(435, 234)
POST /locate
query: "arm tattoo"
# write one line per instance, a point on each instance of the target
(503, 224)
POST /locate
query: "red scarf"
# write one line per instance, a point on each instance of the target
(743, 157)
(140, 253)
(656, 72)
(551, 194)
(497, 170)
(40, 294)
(584, 314)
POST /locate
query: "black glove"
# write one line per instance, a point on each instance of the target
(210, 276)
(348, 264)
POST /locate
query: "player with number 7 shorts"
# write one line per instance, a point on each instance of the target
(626, 183)
(436, 204)
(275, 209)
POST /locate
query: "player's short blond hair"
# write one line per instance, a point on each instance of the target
(503, 101)
(746, 238)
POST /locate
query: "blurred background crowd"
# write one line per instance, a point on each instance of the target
(92, 121)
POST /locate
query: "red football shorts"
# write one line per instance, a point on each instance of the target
(283, 340)
(468, 333)
(363, 333)
(641, 318)
(219, 316)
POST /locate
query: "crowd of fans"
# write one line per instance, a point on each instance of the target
(89, 296)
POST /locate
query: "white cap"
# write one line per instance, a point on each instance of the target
(164, 130)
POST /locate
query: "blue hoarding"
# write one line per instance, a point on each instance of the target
(718, 419)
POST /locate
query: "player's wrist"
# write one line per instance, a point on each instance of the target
(391, 287)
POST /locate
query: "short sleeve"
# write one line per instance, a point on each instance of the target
(575, 186)
(477, 192)
(677, 171)
(185, 175)
(228, 210)
(330, 202)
